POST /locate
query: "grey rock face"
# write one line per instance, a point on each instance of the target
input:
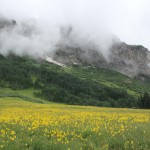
(127, 59)
(130, 59)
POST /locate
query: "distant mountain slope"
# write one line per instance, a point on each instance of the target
(130, 60)
(75, 74)
(82, 85)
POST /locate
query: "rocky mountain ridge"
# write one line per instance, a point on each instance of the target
(127, 59)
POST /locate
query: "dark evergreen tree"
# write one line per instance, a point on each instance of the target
(144, 100)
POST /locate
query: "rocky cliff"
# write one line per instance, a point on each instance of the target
(127, 59)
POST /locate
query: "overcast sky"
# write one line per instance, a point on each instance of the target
(127, 19)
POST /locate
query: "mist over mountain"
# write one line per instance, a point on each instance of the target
(34, 37)
(130, 60)
(68, 46)
(25, 37)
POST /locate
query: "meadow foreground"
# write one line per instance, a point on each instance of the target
(31, 126)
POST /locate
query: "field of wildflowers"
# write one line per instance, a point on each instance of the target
(31, 126)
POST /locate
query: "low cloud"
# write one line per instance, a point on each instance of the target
(88, 24)
(35, 38)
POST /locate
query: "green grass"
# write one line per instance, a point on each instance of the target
(110, 78)
(26, 94)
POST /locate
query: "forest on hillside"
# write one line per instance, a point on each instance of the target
(56, 85)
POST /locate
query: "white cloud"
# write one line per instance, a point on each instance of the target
(127, 19)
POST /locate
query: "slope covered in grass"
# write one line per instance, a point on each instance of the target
(81, 85)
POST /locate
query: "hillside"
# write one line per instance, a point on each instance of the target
(75, 84)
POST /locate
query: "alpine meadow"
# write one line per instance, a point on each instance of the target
(26, 125)
(74, 75)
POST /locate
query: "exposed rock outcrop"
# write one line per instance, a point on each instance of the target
(127, 59)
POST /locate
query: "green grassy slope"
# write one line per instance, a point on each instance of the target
(113, 79)
(109, 78)
(84, 85)
(26, 94)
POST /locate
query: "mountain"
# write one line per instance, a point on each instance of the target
(80, 85)
(77, 73)
(130, 60)
(109, 53)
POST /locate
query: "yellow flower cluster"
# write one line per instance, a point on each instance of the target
(64, 124)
